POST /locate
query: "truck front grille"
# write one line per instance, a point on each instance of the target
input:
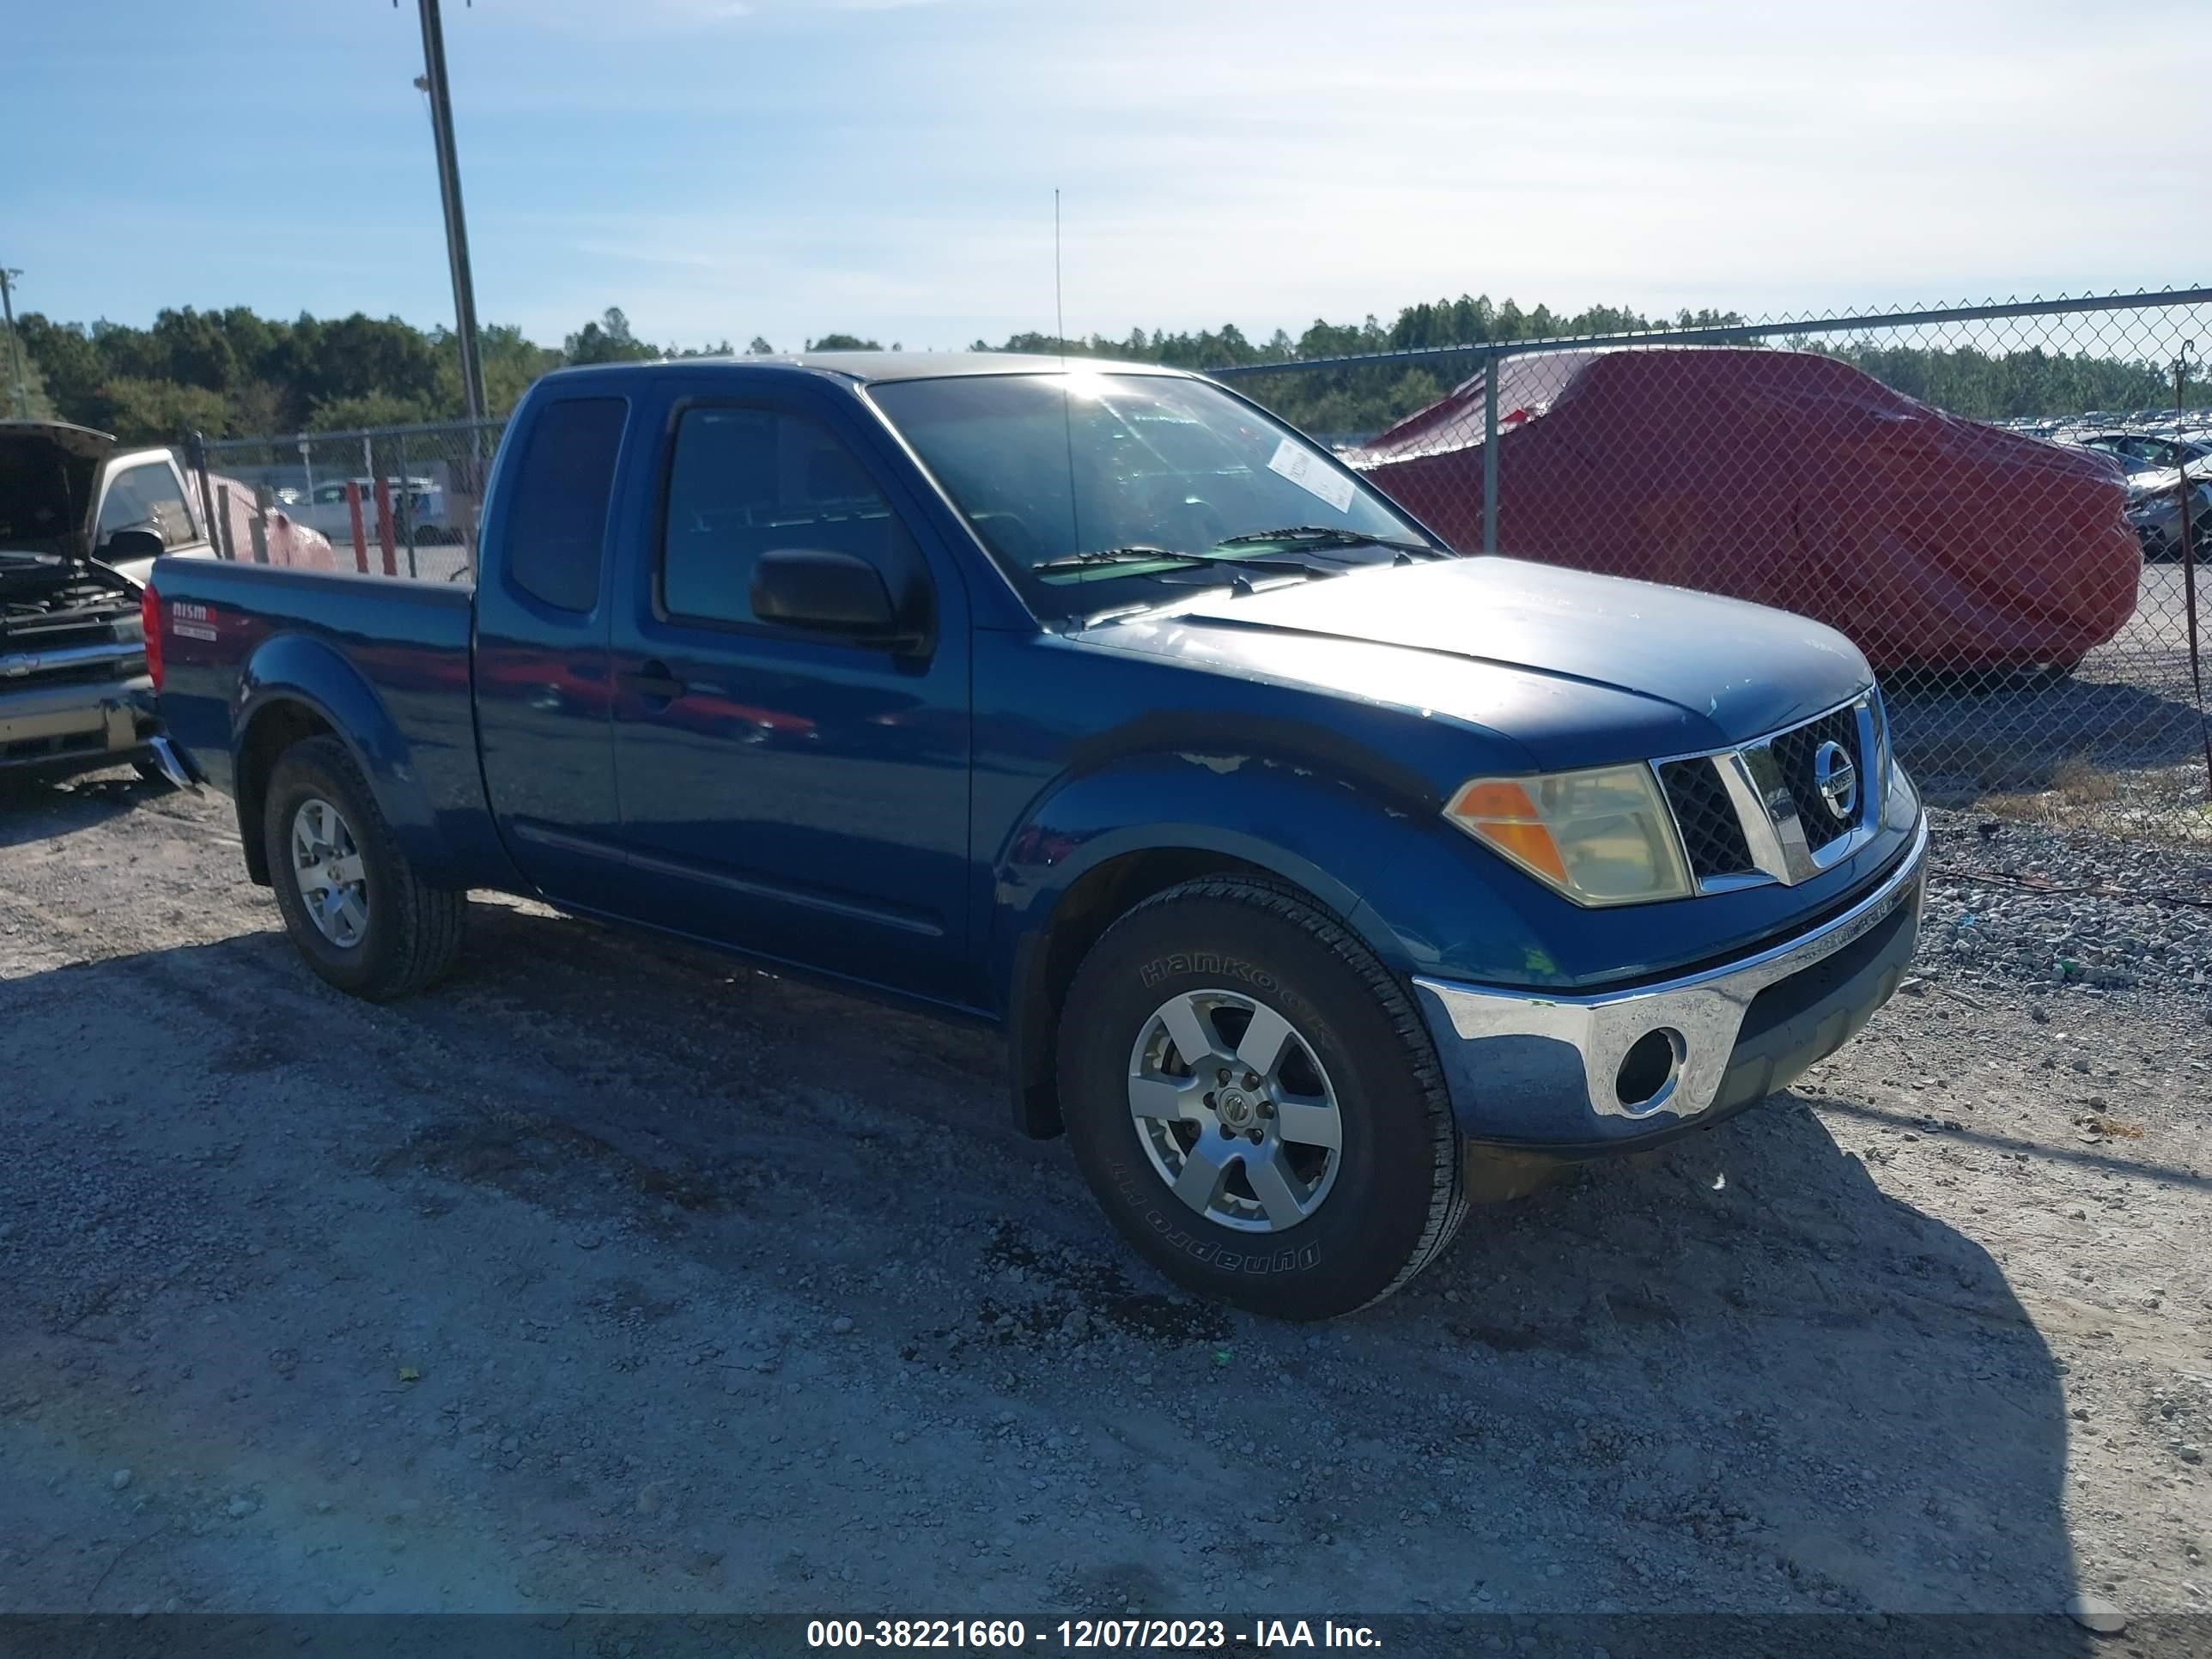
(90, 664)
(1795, 751)
(1759, 813)
(74, 633)
(1712, 836)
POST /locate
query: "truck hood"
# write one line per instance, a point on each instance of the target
(46, 470)
(1579, 668)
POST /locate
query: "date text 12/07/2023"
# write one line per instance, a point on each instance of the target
(1081, 1635)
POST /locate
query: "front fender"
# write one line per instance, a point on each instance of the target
(299, 671)
(1329, 836)
(1290, 820)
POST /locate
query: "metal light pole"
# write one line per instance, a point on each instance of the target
(15, 346)
(449, 192)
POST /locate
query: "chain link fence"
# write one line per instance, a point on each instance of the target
(2002, 505)
(400, 500)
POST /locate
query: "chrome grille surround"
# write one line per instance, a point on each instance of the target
(1789, 834)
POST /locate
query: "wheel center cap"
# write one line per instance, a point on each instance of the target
(1236, 1107)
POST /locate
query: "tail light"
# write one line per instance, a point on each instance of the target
(149, 623)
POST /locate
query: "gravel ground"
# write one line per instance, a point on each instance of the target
(2129, 710)
(612, 1276)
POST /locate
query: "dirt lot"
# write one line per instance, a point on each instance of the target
(612, 1276)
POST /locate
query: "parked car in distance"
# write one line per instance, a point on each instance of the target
(2156, 508)
(418, 503)
(82, 522)
(2146, 450)
(1320, 878)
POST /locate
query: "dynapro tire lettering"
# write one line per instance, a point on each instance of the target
(1174, 1231)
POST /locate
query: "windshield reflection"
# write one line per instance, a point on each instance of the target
(1086, 486)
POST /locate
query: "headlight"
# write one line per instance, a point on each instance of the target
(1603, 836)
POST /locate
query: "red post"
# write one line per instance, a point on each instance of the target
(384, 536)
(360, 541)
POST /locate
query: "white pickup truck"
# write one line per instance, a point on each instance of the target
(81, 521)
(80, 524)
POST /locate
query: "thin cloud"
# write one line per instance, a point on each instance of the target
(787, 166)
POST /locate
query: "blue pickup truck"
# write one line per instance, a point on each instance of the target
(1319, 877)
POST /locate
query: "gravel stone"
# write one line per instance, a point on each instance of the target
(494, 1186)
(2093, 1612)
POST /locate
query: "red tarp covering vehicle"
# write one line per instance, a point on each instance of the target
(284, 540)
(1788, 478)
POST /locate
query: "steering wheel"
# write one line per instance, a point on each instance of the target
(1196, 513)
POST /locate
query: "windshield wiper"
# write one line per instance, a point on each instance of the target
(1327, 535)
(1136, 554)
(1236, 571)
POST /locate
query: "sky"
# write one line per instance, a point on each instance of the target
(728, 168)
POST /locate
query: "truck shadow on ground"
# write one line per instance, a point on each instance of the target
(1731, 1374)
(1807, 1370)
(36, 809)
(1739, 1345)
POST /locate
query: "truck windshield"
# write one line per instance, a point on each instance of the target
(1096, 491)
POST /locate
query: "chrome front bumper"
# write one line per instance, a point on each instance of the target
(1546, 1071)
(73, 722)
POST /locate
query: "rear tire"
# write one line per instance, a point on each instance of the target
(352, 902)
(1228, 1185)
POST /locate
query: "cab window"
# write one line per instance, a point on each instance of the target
(146, 496)
(744, 481)
(556, 533)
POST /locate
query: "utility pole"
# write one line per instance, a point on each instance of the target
(449, 192)
(15, 346)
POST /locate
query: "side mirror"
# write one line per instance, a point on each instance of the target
(131, 543)
(825, 592)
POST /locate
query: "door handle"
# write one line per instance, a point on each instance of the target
(652, 679)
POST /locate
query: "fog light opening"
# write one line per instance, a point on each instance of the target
(1648, 1069)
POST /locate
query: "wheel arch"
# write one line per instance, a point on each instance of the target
(1109, 885)
(293, 688)
(277, 725)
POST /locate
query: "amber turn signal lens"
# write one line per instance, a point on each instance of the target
(1498, 811)
(1599, 836)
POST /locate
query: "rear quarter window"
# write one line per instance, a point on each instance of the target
(151, 495)
(556, 530)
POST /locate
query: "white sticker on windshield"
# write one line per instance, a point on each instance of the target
(1306, 470)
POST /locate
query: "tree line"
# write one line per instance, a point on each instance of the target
(2029, 381)
(232, 373)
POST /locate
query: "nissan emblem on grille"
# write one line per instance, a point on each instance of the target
(1781, 807)
(1837, 778)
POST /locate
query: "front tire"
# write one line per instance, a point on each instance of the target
(352, 902)
(1255, 1101)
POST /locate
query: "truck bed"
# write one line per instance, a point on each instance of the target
(385, 662)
